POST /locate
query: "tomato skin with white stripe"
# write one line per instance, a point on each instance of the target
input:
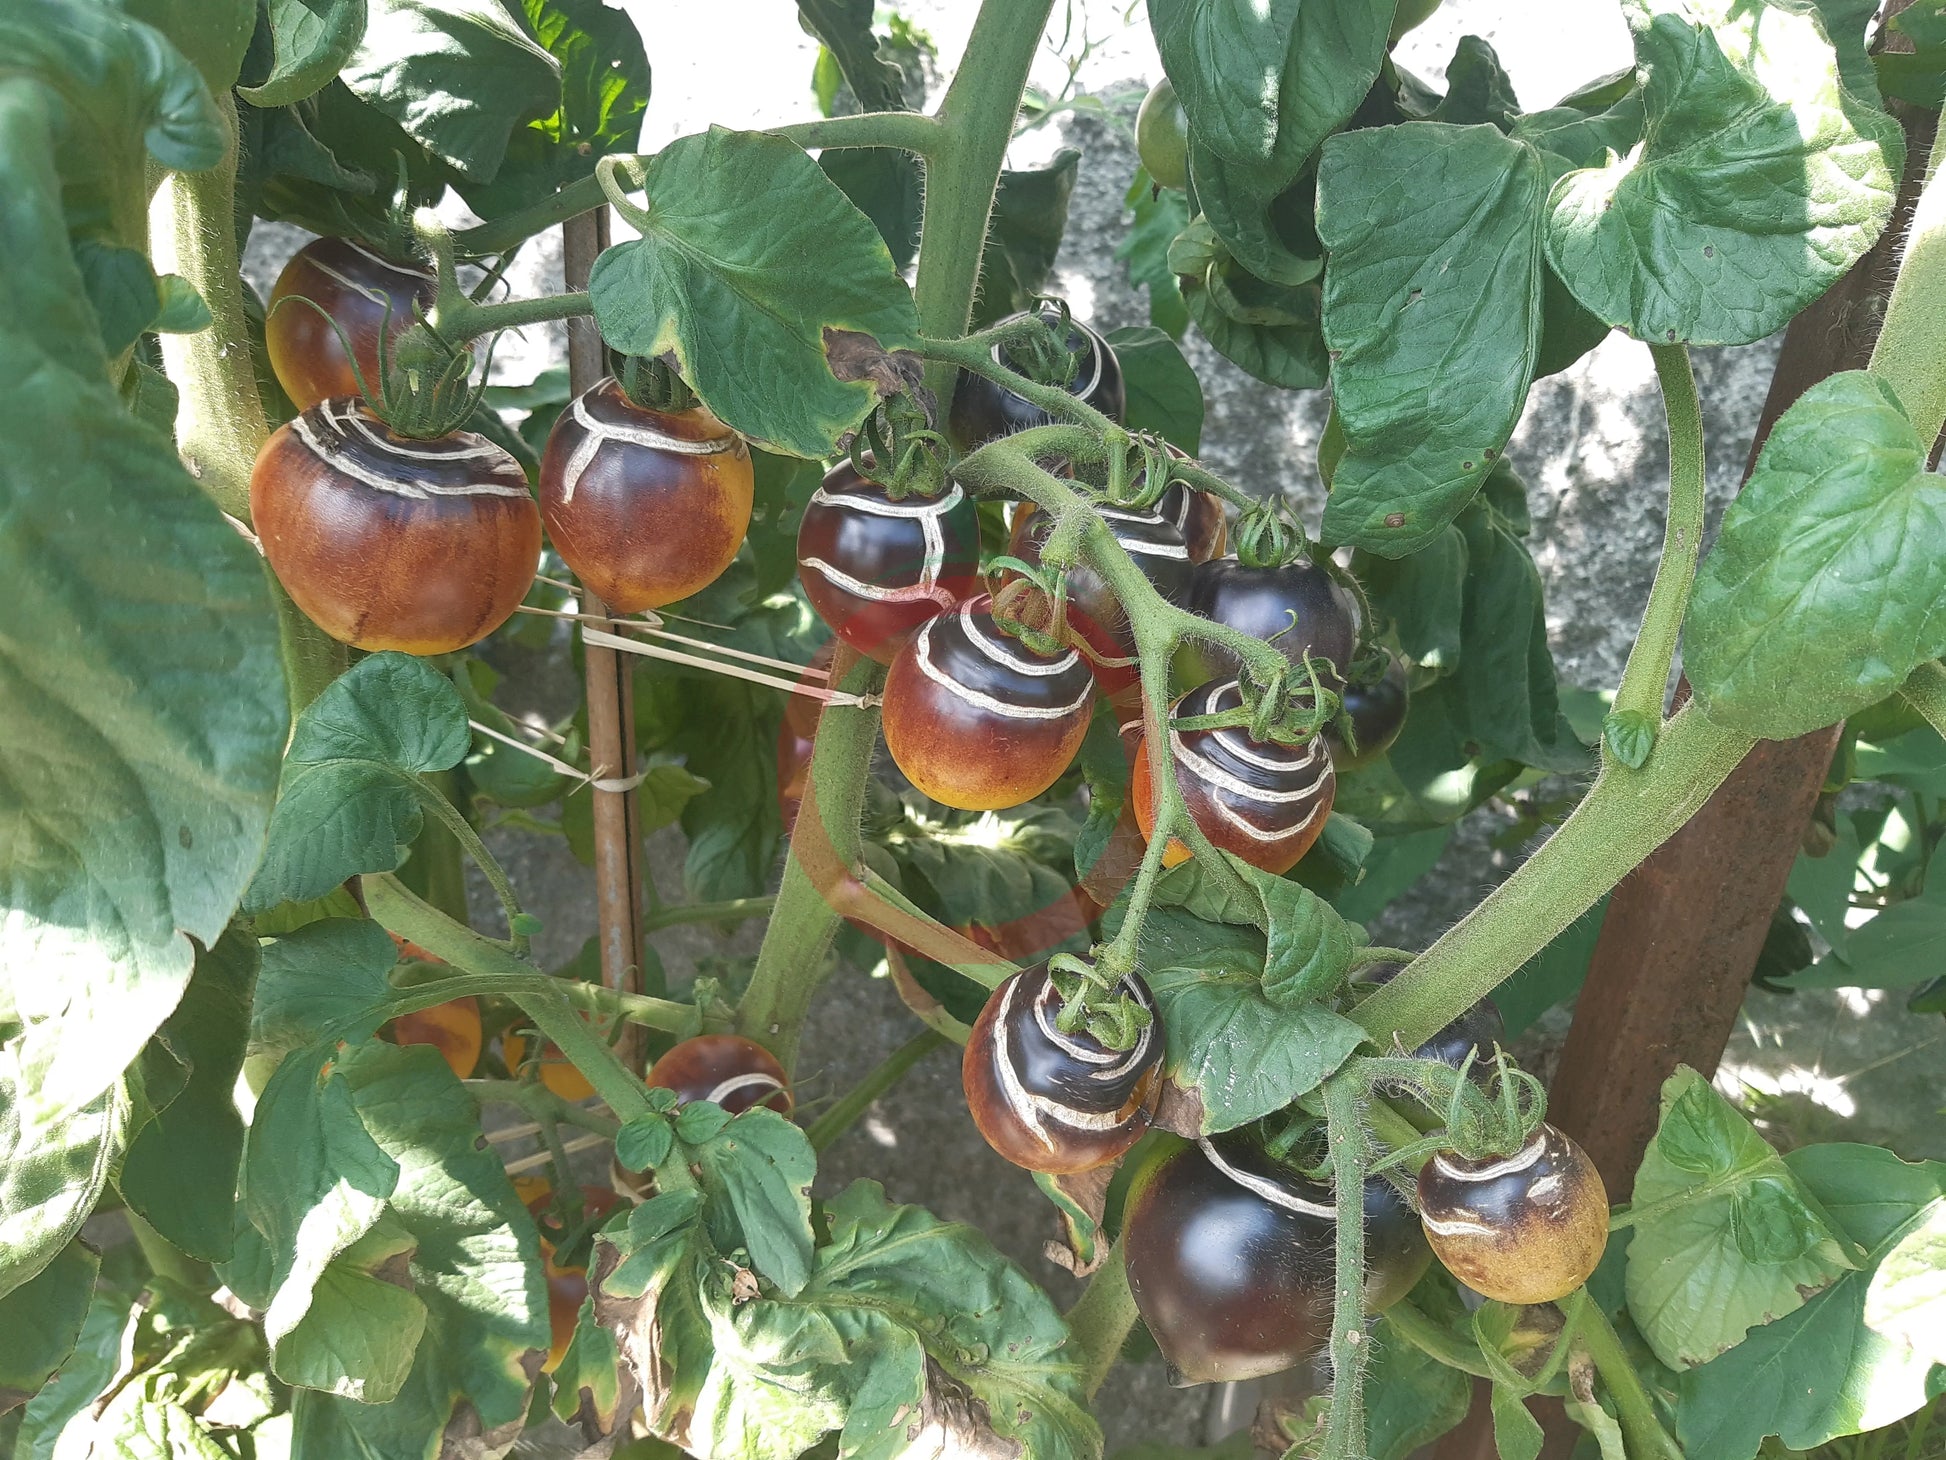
(979, 721)
(647, 507)
(984, 411)
(1526, 1228)
(1052, 1101)
(1265, 803)
(876, 569)
(387, 542)
(358, 295)
(725, 1069)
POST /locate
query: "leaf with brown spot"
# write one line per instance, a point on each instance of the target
(856, 356)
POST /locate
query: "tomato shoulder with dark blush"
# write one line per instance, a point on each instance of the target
(725, 1069)
(1298, 608)
(984, 410)
(332, 293)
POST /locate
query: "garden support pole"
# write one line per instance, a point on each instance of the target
(620, 876)
(1684, 929)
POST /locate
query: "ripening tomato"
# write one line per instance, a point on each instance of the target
(362, 293)
(725, 1069)
(1525, 1228)
(558, 1072)
(1299, 608)
(1162, 136)
(1377, 712)
(451, 1028)
(648, 507)
(387, 542)
(984, 411)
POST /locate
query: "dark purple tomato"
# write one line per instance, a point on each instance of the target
(725, 1069)
(1198, 516)
(876, 569)
(976, 719)
(646, 506)
(1094, 613)
(984, 411)
(1052, 1101)
(1377, 714)
(362, 293)
(1301, 597)
(1525, 1228)
(387, 542)
(1230, 1258)
(1264, 802)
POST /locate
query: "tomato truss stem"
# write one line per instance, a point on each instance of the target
(1344, 1434)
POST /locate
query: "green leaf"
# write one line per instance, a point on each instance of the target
(1262, 211)
(885, 185)
(1164, 394)
(1432, 311)
(1160, 214)
(1516, 1433)
(1411, 1399)
(458, 75)
(1731, 1244)
(84, 1373)
(1906, 1300)
(41, 1321)
(735, 829)
(324, 980)
(1277, 77)
(912, 1335)
(183, 310)
(1897, 949)
(1630, 736)
(1030, 215)
(644, 1142)
(748, 251)
(1827, 584)
(315, 1183)
(1226, 1042)
(351, 797)
(757, 1172)
(1822, 1371)
(180, 1173)
(1423, 594)
(1760, 180)
(310, 40)
(845, 28)
(1307, 945)
(1270, 331)
(55, 1169)
(476, 1269)
(122, 289)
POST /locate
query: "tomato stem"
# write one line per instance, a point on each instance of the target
(1344, 1434)
(1100, 1320)
(1908, 356)
(1647, 1440)
(449, 816)
(882, 1077)
(733, 910)
(1645, 681)
(1626, 815)
(541, 1103)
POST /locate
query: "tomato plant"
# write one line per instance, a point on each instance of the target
(310, 1152)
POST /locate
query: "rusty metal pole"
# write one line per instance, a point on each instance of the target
(620, 870)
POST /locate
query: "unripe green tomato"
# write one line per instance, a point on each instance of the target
(1410, 15)
(1162, 136)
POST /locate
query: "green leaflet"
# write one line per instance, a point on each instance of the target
(1827, 584)
(1433, 313)
(902, 1318)
(1762, 179)
(1822, 1371)
(310, 40)
(751, 253)
(1164, 394)
(351, 799)
(474, 1267)
(141, 703)
(1737, 1245)
(40, 1322)
(180, 1173)
(1030, 216)
(457, 75)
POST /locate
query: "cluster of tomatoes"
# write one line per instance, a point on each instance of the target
(426, 545)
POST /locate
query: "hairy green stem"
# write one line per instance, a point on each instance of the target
(858, 1099)
(1645, 682)
(1911, 352)
(797, 942)
(1436, 1340)
(546, 1001)
(735, 909)
(541, 1103)
(1344, 1433)
(469, 841)
(1925, 691)
(220, 423)
(1647, 1440)
(1627, 815)
(1101, 1318)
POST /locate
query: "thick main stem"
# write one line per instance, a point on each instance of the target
(1626, 816)
(1911, 352)
(1645, 682)
(220, 423)
(1344, 1435)
(1647, 1440)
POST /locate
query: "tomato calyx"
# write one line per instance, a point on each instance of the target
(1289, 707)
(654, 384)
(1267, 537)
(897, 449)
(1482, 1122)
(1039, 347)
(1033, 607)
(1099, 1000)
